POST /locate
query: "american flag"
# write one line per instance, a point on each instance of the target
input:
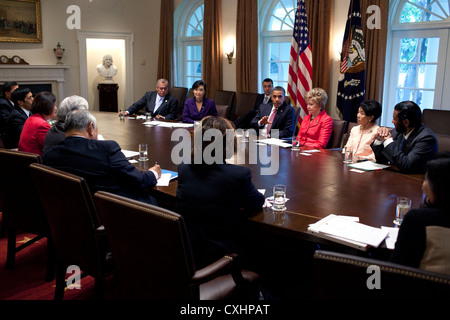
(300, 62)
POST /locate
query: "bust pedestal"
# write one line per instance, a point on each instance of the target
(108, 96)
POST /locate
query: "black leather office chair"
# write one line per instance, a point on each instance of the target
(22, 207)
(337, 134)
(152, 251)
(344, 276)
(443, 142)
(222, 110)
(437, 120)
(180, 94)
(77, 231)
(225, 98)
(245, 102)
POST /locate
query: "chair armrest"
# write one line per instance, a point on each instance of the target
(215, 269)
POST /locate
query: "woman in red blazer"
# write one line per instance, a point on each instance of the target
(35, 128)
(315, 130)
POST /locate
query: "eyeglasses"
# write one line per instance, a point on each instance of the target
(162, 89)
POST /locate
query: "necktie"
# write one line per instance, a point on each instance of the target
(266, 99)
(272, 116)
(158, 103)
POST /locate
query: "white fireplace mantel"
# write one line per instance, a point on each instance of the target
(36, 74)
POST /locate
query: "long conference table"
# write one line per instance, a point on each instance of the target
(317, 184)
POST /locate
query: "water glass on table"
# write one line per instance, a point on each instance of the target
(348, 154)
(295, 144)
(403, 206)
(143, 152)
(279, 197)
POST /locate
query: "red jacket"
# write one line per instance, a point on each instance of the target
(316, 133)
(33, 134)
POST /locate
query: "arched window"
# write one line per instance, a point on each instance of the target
(278, 19)
(418, 55)
(189, 42)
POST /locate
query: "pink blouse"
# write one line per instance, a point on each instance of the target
(359, 142)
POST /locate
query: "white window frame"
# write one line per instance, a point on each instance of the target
(182, 17)
(398, 31)
(267, 36)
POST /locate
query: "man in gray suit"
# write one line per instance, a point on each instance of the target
(160, 104)
(410, 145)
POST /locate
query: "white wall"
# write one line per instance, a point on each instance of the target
(141, 17)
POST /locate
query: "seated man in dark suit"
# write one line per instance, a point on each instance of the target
(101, 162)
(276, 115)
(410, 145)
(262, 98)
(22, 99)
(6, 104)
(160, 104)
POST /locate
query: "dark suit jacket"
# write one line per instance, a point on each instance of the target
(211, 198)
(6, 107)
(283, 121)
(14, 126)
(259, 101)
(103, 165)
(168, 108)
(417, 150)
(412, 236)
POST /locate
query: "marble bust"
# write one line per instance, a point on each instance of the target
(106, 69)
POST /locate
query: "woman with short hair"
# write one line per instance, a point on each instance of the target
(36, 127)
(316, 127)
(362, 136)
(198, 107)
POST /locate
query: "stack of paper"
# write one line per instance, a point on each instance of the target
(166, 177)
(276, 142)
(368, 166)
(348, 232)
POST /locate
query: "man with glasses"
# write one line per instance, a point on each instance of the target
(160, 104)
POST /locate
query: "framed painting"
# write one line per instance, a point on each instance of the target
(20, 21)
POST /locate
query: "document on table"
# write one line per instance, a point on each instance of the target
(276, 142)
(130, 154)
(368, 166)
(171, 124)
(347, 230)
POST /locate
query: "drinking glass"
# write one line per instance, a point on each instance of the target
(295, 144)
(245, 136)
(148, 117)
(403, 206)
(348, 155)
(279, 197)
(143, 152)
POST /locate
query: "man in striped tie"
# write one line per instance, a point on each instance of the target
(276, 115)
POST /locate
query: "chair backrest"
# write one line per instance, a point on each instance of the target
(226, 98)
(337, 134)
(437, 120)
(244, 103)
(190, 93)
(21, 201)
(344, 276)
(443, 142)
(71, 214)
(347, 135)
(180, 94)
(222, 110)
(150, 248)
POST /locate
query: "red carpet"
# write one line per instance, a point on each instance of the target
(26, 281)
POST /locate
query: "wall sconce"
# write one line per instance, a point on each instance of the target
(230, 56)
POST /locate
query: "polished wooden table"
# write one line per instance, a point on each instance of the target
(317, 185)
